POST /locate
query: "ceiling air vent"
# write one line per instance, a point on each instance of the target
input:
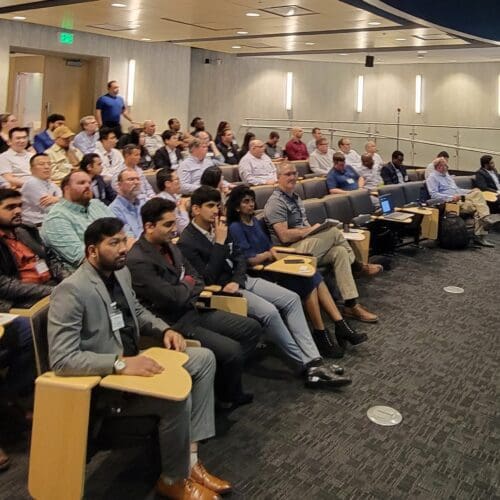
(288, 11)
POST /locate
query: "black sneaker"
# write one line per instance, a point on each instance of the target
(345, 333)
(326, 345)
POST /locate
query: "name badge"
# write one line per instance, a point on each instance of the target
(350, 181)
(116, 318)
(229, 154)
(210, 154)
(41, 266)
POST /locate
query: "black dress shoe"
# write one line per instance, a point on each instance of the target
(329, 367)
(317, 377)
(326, 345)
(345, 333)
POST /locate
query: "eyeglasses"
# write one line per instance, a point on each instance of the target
(289, 174)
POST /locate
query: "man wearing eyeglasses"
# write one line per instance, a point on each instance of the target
(285, 215)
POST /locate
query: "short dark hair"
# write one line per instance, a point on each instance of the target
(274, 135)
(128, 148)
(315, 129)
(194, 120)
(485, 160)
(211, 176)
(153, 210)
(54, 118)
(338, 156)
(100, 229)
(104, 132)
(13, 130)
(444, 154)
(171, 121)
(135, 136)
(396, 153)
(8, 193)
(110, 83)
(234, 200)
(35, 156)
(163, 175)
(88, 160)
(205, 194)
(167, 134)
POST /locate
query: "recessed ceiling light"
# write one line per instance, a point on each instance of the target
(118, 5)
(236, 47)
(374, 23)
(422, 52)
(400, 39)
(252, 14)
(19, 18)
(310, 43)
(242, 32)
(343, 54)
(146, 39)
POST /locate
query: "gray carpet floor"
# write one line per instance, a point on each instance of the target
(433, 356)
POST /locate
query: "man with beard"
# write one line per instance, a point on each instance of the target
(66, 222)
(94, 326)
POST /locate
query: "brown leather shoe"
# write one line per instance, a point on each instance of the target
(360, 313)
(185, 489)
(371, 269)
(201, 476)
(4, 460)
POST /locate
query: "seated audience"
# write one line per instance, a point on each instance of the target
(321, 158)
(316, 135)
(371, 149)
(256, 167)
(7, 122)
(212, 177)
(245, 147)
(220, 130)
(167, 284)
(205, 243)
(152, 141)
(63, 227)
(395, 172)
(168, 156)
(352, 157)
(273, 149)
(39, 192)
(169, 188)
(285, 217)
(295, 149)
(487, 180)
(63, 156)
(131, 157)
(248, 233)
(442, 186)
(15, 162)
(82, 342)
(198, 125)
(92, 164)
(127, 204)
(86, 140)
(45, 139)
(213, 153)
(370, 174)
(228, 147)
(174, 125)
(138, 137)
(193, 166)
(112, 159)
(343, 178)
(442, 156)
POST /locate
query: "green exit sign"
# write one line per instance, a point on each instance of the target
(66, 38)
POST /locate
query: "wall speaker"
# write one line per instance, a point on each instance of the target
(369, 61)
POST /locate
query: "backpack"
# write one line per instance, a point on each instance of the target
(453, 232)
(383, 240)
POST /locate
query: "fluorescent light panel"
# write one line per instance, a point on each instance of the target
(289, 91)
(131, 82)
(418, 94)
(359, 100)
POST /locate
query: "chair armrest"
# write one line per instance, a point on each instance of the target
(290, 250)
(28, 313)
(84, 383)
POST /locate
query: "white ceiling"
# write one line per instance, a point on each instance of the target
(331, 30)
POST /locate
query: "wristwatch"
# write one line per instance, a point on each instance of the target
(119, 365)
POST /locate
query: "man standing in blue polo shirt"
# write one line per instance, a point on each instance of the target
(110, 107)
(342, 177)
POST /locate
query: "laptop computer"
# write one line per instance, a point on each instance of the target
(387, 207)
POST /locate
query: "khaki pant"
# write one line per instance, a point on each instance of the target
(475, 204)
(331, 248)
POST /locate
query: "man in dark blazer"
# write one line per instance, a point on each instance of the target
(487, 180)
(207, 246)
(394, 172)
(169, 156)
(94, 325)
(169, 286)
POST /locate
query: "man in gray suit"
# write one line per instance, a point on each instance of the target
(93, 329)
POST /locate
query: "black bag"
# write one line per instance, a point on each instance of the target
(453, 232)
(383, 240)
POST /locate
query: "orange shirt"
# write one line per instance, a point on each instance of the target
(26, 260)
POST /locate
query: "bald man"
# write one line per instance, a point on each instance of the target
(295, 149)
(371, 149)
(256, 167)
(153, 141)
